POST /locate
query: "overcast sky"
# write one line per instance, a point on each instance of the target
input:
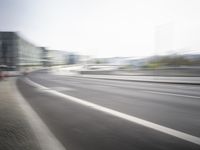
(105, 28)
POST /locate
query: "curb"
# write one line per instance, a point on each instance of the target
(137, 80)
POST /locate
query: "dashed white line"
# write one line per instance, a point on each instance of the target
(157, 127)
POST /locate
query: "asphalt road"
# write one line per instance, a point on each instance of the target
(79, 127)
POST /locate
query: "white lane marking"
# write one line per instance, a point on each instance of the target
(156, 92)
(44, 136)
(173, 94)
(60, 88)
(157, 127)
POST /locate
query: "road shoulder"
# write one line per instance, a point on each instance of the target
(15, 131)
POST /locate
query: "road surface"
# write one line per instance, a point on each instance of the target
(95, 114)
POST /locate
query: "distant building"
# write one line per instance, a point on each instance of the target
(73, 58)
(45, 57)
(56, 57)
(83, 59)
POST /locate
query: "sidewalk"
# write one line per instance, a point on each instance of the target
(15, 132)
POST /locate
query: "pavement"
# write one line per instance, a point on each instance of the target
(88, 113)
(15, 131)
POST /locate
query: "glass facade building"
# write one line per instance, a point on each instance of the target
(16, 52)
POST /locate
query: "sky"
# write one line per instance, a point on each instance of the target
(106, 28)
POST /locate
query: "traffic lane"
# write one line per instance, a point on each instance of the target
(78, 127)
(179, 113)
(164, 87)
(180, 99)
(168, 88)
(115, 89)
(156, 86)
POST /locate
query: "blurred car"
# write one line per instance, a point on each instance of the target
(3, 68)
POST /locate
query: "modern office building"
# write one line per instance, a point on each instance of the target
(8, 56)
(17, 53)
